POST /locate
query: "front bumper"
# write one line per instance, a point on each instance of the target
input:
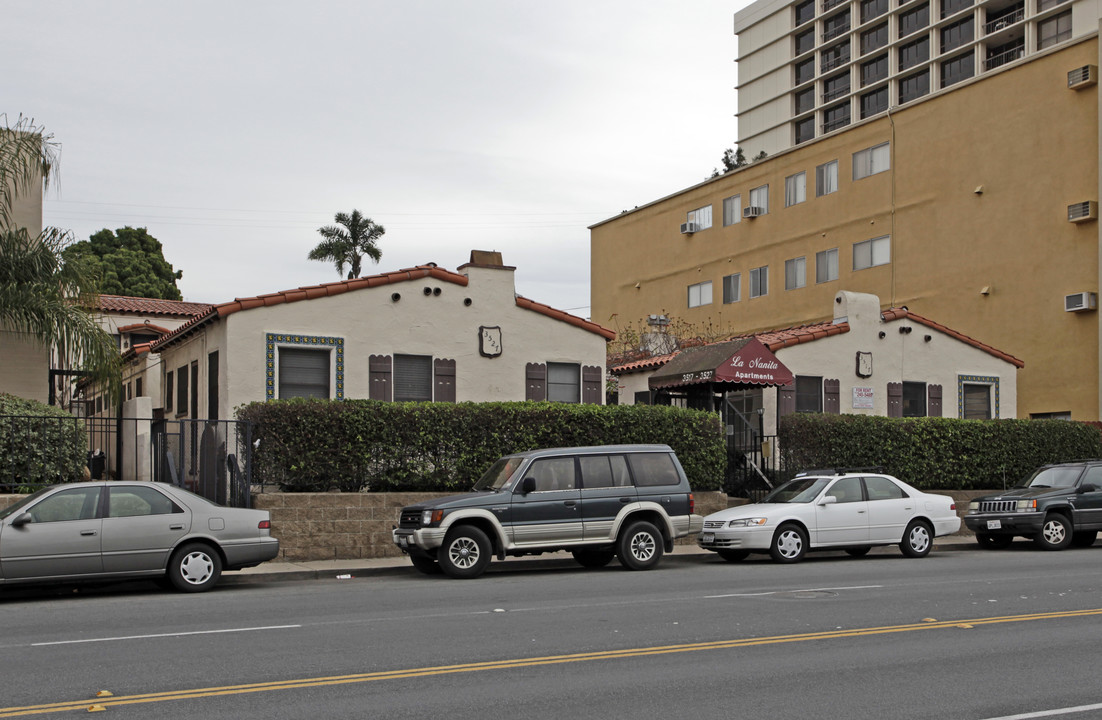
(427, 539)
(727, 538)
(1005, 523)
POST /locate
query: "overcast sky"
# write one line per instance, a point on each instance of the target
(233, 130)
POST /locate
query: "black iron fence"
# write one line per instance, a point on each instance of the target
(212, 458)
(754, 466)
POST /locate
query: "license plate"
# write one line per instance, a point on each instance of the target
(708, 537)
(994, 524)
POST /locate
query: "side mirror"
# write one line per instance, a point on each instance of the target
(828, 500)
(527, 485)
(1087, 487)
(22, 519)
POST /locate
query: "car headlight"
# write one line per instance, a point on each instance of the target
(747, 522)
(431, 517)
(974, 506)
(1027, 505)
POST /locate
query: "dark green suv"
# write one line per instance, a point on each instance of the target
(1057, 506)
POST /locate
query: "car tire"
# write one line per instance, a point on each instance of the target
(918, 540)
(789, 544)
(640, 546)
(1083, 538)
(858, 551)
(733, 555)
(465, 552)
(1055, 533)
(993, 542)
(425, 563)
(194, 567)
(593, 558)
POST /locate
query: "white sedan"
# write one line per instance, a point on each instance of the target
(846, 511)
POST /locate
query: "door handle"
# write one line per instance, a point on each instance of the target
(87, 533)
(625, 500)
(175, 527)
(568, 503)
(861, 512)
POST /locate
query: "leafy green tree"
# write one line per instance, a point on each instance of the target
(348, 241)
(42, 293)
(128, 261)
(733, 159)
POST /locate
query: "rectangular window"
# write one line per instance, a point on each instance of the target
(700, 294)
(181, 390)
(1054, 30)
(759, 198)
(874, 70)
(914, 86)
(653, 469)
(759, 282)
(169, 377)
(732, 288)
(809, 393)
(958, 34)
(959, 68)
(836, 25)
(914, 20)
(952, 7)
(805, 11)
(836, 117)
(914, 53)
(874, 102)
(1043, 5)
(795, 273)
(138, 387)
(977, 402)
(826, 178)
(303, 372)
(805, 42)
(826, 265)
(701, 216)
(914, 399)
(194, 392)
(805, 101)
(564, 381)
(795, 189)
(834, 56)
(212, 385)
(804, 71)
(732, 210)
(871, 253)
(835, 87)
(874, 38)
(413, 378)
(872, 9)
(804, 130)
(871, 161)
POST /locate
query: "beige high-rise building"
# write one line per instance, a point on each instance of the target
(974, 203)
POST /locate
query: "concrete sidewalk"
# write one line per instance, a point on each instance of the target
(276, 571)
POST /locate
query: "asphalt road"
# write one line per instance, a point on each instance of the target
(956, 635)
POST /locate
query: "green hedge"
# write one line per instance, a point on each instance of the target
(354, 445)
(39, 445)
(936, 453)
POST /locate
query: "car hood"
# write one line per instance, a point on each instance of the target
(1029, 493)
(755, 510)
(471, 499)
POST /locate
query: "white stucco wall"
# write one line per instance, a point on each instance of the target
(24, 366)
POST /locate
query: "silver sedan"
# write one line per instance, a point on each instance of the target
(126, 530)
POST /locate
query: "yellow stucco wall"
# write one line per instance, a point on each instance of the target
(1031, 143)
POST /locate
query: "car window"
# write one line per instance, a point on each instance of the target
(596, 471)
(881, 488)
(138, 501)
(552, 474)
(67, 505)
(847, 490)
(652, 469)
(1054, 477)
(1094, 476)
(801, 490)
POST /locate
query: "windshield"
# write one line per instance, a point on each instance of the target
(802, 490)
(498, 474)
(18, 507)
(1053, 477)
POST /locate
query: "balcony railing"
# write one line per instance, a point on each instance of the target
(1003, 22)
(832, 32)
(829, 62)
(829, 95)
(1004, 57)
(835, 124)
(830, 4)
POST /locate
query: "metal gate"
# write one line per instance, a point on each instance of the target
(753, 459)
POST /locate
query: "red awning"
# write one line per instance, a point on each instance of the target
(745, 361)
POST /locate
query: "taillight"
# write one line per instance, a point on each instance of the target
(952, 506)
(692, 504)
(264, 525)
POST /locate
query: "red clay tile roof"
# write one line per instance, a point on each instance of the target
(893, 314)
(786, 337)
(143, 326)
(150, 306)
(343, 286)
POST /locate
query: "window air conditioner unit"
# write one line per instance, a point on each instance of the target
(1082, 77)
(752, 211)
(688, 228)
(1083, 211)
(1080, 302)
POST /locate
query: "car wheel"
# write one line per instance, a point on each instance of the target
(918, 540)
(593, 558)
(789, 544)
(858, 551)
(195, 567)
(1055, 533)
(465, 552)
(640, 546)
(733, 555)
(993, 542)
(1083, 538)
(425, 564)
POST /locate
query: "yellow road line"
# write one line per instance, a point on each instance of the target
(196, 693)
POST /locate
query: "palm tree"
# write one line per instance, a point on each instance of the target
(42, 294)
(355, 237)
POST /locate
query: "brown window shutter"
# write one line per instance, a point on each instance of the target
(895, 400)
(933, 400)
(444, 379)
(786, 399)
(831, 397)
(535, 375)
(379, 377)
(591, 384)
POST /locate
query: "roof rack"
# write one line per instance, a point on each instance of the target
(840, 470)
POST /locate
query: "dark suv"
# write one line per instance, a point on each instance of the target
(625, 501)
(1057, 506)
